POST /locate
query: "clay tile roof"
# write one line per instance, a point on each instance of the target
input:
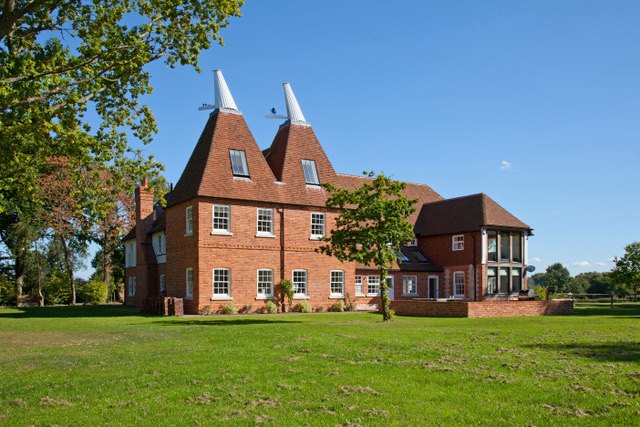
(422, 192)
(208, 172)
(463, 214)
(291, 145)
(131, 235)
(160, 224)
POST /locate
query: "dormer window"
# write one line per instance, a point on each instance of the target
(239, 163)
(310, 172)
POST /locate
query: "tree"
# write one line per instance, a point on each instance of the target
(556, 278)
(627, 269)
(59, 57)
(370, 226)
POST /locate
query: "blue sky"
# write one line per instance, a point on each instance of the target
(535, 103)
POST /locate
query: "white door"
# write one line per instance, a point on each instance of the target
(390, 285)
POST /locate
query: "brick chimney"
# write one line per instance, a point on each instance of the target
(144, 202)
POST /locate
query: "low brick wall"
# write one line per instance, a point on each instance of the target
(164, 306)
(482, 309)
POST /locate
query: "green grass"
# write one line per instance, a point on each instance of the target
(107, 365)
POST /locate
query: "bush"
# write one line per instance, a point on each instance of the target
(246, 309)
(7, 292)
(338, 306)
(93, 292)
(302, 307)
(320, 308)
(270, 307)
(205, 311)
(350, 306)
(58, 289)
(229, 308)
(286, 291)
(540, 291)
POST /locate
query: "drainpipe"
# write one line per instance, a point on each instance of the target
(282, 241)
(475, 274)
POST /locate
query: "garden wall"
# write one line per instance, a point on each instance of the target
(482, 309)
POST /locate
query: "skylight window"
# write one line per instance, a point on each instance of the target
(419, 257)
(239, 163)
(310, 172)
(402, 257)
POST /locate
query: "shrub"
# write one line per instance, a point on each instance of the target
(302, 307)
(350, 306)
(286, 290)
(58, 289)
(230, 308)
(270, 307)
(7, 292)
(205, 311)
(338, 306)
(320, 308)
(540, 291)
(93, 292)
(246, 309)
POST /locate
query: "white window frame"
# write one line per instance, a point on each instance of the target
(359, 285)
(457, 242)
(262, 223)
(261, 283)
(336, 283)
(458, 280)
(188, 221)
(223, 215)
(315, 223)
(241, 168)
(221, 284)
(310, 172)
(410, 288)
(163, 287)
(413, 243)
(130, 254)
(373, 282)
(296, 283)
(188, 283)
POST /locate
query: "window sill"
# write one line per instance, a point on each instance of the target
(360, 295)
(188, 234)
(264, 297)
(221, 233)
(300, 297)
(373, 295)
(410, 295)
(315, 237)
(268, 236)
(221, 298)
(242, 178)
(336, 296)
(189, 298)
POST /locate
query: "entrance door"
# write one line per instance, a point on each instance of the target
(390, 285)
(433, 287)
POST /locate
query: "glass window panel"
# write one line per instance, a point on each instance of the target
(337, 282)
(516, 279)
(310, 172)
(492, 280)
(492, 246)
(505, 247)
(221, 218)
(504, 281)
(265, 221)
(516, 240)
(317, 225)
(239, 163)
(221, 281)
(410, 284)
(300, 282)
(358, 285)
(265, 282)
(373, 285)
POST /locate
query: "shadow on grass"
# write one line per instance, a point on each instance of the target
(603, 352)
(223, 322)
(70, 311)
(628, 310)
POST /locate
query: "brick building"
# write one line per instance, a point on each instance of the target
(240, 219)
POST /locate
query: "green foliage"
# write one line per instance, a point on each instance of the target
(319, 309)
(205, 311)
(7, 292)
(246, 309)
(270, 307)
(93, 291)
(302, 307)
(286, 291)
(338, 306)
(541, 293)
(627, 269)
(229, 308)
(60, 59)
(555, 278)
(349, 305)
(371, 225)
(57, 289)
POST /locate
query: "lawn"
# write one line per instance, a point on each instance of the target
(108, 365)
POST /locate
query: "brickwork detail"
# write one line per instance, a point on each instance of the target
(482, 309)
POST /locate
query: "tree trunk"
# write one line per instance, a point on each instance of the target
(106, 262)
(67, 260)
(20, 270)
(40, 297)
(384, 288)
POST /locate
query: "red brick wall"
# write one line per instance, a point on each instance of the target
(482, 309)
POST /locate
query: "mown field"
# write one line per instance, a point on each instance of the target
(106, 365)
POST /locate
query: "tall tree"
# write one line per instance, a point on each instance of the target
(371, 226)
(556, 278)
(59, 57)
(627, 269)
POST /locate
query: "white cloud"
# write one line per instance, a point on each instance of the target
(505, 165)
(612, 259)
(536, 259)
(581, 264)
(601, 264)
